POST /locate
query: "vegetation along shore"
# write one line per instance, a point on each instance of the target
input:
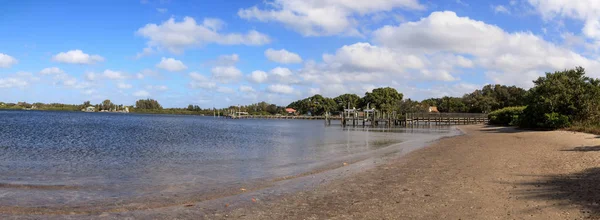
(561, 100)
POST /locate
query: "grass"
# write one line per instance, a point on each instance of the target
(585, 127)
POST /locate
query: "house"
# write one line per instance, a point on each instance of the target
(433, 109)
(89, 109)
(290, 111)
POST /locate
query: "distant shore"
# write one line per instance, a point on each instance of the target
(488, 173)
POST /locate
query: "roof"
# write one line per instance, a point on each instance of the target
(290, 110)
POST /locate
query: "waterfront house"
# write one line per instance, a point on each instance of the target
(433, 109)
(290, 111)
(89, 109)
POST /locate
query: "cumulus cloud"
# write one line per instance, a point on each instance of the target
(511, 58)
(280, 89)
(141, 93)
(171, 65)
(77, 57)
(177, 36)
(13, 82)
(323, 18)
(226, 74)
(258, 76)
(246, 89)
(157, 87)
(226, 90)
(283, 75)
(51, 71)
(201, 81)
(500, 9)
(7, 61)
(282, 56)
(145, 52)
(114, 75)
(225, 60)
(587, 11)
(145, 73)
(123, 85)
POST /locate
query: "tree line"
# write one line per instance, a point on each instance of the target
(487, 99)
(563, 99)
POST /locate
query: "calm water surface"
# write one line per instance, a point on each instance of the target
(72, 159)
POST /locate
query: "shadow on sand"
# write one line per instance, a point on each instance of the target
(585, 149)
(581, 189)
(502, 129)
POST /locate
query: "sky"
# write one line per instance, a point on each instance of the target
(216, 53)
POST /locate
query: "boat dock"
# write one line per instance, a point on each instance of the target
(373, 118)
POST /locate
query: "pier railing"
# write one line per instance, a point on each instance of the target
(384, 119)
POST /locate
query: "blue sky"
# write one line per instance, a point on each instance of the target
(217, 53)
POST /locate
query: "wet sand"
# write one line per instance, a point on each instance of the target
(488, 173)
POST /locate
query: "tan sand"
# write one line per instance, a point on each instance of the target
(488, 173)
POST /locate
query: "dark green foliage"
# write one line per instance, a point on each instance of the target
(493, 97)
(315, 105)
(385, 99)
(555, 120)
(147, 104)
(344, 100)
(506, 116)
(560, 98)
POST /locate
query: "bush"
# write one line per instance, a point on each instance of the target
(555, 120)
(506, 116)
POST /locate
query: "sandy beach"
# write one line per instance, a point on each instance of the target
(488, 173)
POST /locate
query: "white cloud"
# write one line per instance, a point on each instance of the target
(90, 76)
(246, 89)
(226, 74)
(141, 93)
(280, 89)
(201, 81)
(145, 52)
(77, 57)
(500, 9)
(587, 11)
(13, 82)
(122, 85)
(258, 76)
(51, 71)
(282, 56)
(327, 17)
(462, 3)
(145, 73)
(227, 90)
(113, 75)
(171, 65)
(7, 61)
(157, 87)
(283, 75)
(162, 10)
(226, 60)
(177, 36)
(508, 57)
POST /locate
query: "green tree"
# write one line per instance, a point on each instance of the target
(562, 97)
(107, 105)
(385, 99)
(150, 104)
(343, 100)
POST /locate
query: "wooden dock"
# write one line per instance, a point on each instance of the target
(382, 119)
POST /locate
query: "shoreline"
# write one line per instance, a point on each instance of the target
(234, 197)
(487, 173)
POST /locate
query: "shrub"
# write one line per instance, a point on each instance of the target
(506, 116)
(555, 120)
